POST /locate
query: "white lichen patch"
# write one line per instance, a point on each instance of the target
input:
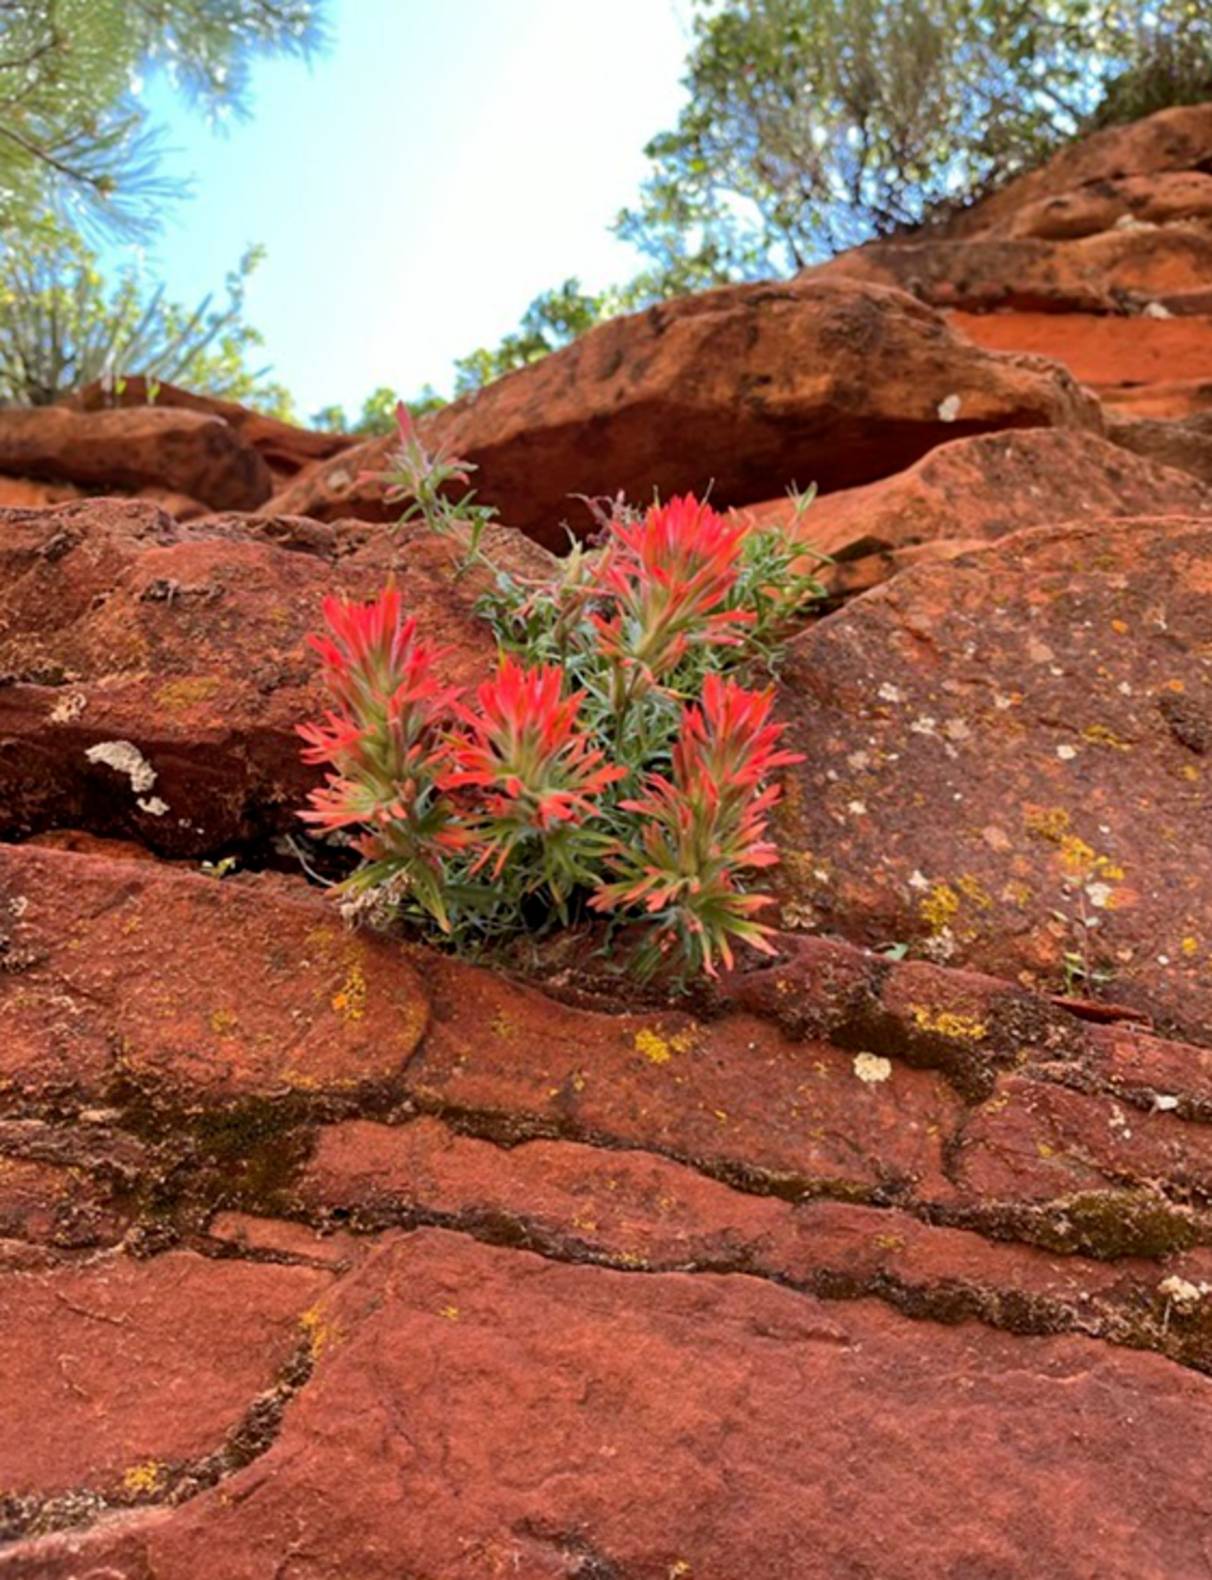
(949, 408)
(153, 805)
(68, 707)
(871, 1069)
(124, 758)
(1181, 1293)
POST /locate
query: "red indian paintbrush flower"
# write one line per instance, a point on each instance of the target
(668, 578)
(706, 826)
(535, 769)
(383, 740)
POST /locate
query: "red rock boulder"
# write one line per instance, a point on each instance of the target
(285, 447)
(1163, 198)
(155, 673)
(189, 452)
(1185, 445)
(1140, 367)
(1174, 141)
(980, 489)
(1104, 273)
(1006, 764)
(747, 388)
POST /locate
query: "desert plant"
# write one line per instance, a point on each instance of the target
(614, 764)
(62, 327)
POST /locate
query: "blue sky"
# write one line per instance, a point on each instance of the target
(439, 165)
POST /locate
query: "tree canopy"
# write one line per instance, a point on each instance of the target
(813, 125)
(74, 135)
(78, 155)
(64, 327)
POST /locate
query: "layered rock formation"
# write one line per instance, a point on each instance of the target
(325, 1255)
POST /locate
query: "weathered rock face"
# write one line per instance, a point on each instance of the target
(975, 490)
(1103, 273)
(1140, 367)
(597, 1254)
(24, 493)
(156, 673)
(1101, 260)
(1102, 204)
(679, 1475)
(747, 388)
(188, 452)
(285, 448)
(1099, 169)
(1006, 763)
(1183, 444)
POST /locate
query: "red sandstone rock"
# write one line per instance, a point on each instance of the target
(1099, 205)
(505, 1413)
(629, 1209)
(999, 746)
(982, 488)
(285, 447)
(1037, 1139)
(1185, 445)
(1176, 140)
(188, 452)
(1097, 274)
(177, 656)
(748, 388)
(234, 1012)
(191, 988)
(1143, 367)
(25, 493)
(120, 1375)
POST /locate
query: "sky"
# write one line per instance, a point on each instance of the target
(417, 185)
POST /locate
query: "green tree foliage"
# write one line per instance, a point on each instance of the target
(73, 133)
(378, 414)
(63, 328)
(552, 320)
(812, 125)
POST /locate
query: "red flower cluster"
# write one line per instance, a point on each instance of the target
(706, 826)
(667, 579)
(383, 739)
(405, 751)
(481, 802)
(525, 752)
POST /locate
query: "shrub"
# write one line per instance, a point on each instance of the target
(62, 327)
(614, 765)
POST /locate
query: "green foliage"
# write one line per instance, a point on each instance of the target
(1172, 65)
(378, 414)
(73, 134)
(61, 327)
(552, 320)
(812, 125)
